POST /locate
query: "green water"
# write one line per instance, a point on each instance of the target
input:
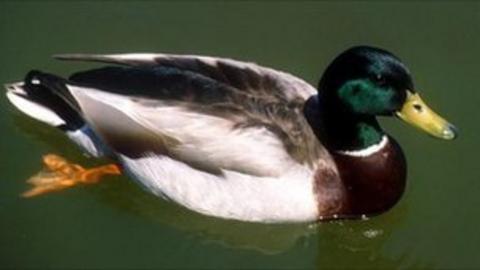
(115, 224)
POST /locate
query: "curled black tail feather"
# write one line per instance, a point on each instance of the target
(54, 83)
(51, 92)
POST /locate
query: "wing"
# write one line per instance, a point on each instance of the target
(249, 77)
(210, 113)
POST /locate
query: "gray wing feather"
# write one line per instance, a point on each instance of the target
(254, 96)
(242, 75)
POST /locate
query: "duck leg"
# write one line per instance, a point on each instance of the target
(59, 174)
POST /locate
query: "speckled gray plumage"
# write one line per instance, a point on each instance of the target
(249, 95)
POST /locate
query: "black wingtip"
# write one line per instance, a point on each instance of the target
(83, 57)
(96, 58)
(69, 56)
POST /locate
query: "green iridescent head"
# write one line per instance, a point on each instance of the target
(366, 81)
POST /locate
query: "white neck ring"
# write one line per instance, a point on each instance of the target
(372, 149)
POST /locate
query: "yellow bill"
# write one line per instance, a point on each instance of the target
(418, 114)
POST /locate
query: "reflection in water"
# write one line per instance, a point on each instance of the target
(269, 239)
(362, 241)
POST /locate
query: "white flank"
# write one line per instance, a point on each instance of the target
(32, 109)
(367, 151)
(255, 178)
(203, 139)
(232, 195)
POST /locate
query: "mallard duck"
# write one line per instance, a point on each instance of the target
(236, 140)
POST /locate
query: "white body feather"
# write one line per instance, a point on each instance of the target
(233, 195)
(276, 188)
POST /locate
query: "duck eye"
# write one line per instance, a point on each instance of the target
(380, 79)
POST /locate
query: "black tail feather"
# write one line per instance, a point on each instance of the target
(51, 92)
(54, 83)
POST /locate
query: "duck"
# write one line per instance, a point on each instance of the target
(234, 139)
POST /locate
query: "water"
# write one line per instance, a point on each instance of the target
(115, 224)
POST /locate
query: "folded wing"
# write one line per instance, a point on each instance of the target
(210, 113)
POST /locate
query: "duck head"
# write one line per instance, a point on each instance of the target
(365, 82)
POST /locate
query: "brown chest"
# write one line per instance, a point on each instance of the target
(368, 184)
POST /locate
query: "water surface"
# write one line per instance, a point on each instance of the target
(115, 224)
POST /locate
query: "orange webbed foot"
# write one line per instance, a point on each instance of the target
(59, 174)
